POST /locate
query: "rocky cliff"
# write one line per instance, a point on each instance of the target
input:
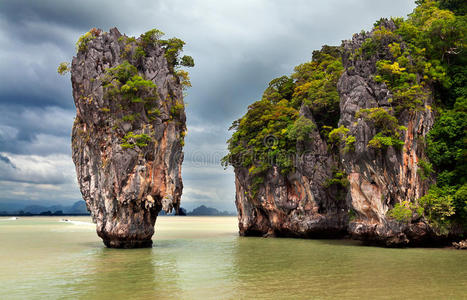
(378, 179)
(297, 203)
(346, 156)
(128, 133)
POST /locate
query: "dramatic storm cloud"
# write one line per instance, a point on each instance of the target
(238, 47)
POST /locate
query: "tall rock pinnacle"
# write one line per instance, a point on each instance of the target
(129, 131)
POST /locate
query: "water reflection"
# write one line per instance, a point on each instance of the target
(133, 273)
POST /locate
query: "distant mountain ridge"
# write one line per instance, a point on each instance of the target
(201, 210)
(77, 208)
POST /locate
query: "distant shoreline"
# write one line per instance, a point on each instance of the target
(43, 215)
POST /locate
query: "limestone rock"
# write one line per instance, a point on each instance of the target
(379, 178)
(298, 204)
(127, 142)
(301, 204)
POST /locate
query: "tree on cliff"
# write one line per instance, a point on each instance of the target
(420, 62)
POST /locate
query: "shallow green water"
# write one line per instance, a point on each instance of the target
(202, 257)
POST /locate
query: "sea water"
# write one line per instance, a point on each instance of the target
(204, 258)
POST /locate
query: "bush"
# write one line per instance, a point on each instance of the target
(402, 212)
(63, 68)
(438, 207)
(184, 78)
(300, 130)
(151, 36)
(130, 140)
(339, 179)
(316, 85)
(187, 61)
(388, 128)
(176, 110)
(425, 169)
(173, 47)
(340, 136)
(82, 43)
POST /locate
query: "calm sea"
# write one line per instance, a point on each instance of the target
(204, 258)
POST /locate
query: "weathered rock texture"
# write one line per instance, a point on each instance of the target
(379, 179)
(297, 204)
(126, 187)
(302, 205)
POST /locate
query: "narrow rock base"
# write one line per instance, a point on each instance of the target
(122, 244)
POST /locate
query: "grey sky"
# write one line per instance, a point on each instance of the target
(238, 47)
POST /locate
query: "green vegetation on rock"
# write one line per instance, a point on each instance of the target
(268, 134)
(389, 130)
(63, 68)
(421, 60)
(131, 140)
(82, 43)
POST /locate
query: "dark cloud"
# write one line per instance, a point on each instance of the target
(238, 46)
(7, 161)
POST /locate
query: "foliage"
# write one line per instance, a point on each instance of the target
(139, 52)
(63, 68)
(176, 110)
(300, 130)
(151, 36)
(278, 89)
(438, 206)
(339, 136)
(123, 84)
(446, 149)
(267, 135)
(122, 72)
(339, 179)
(404, 211)
(389, 130)
(184, 78)
(460, 204)
(82, 43)
(435, 42)
(263, 135)
(447, 144)
(131, 140)
(187, 61)
(316, 85)
(425, 169)
(123, 80)
(421, 59)
(422, 51)
(171, 46)
(130, 117)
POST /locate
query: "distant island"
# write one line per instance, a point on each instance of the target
(76, 209)
(201, 210)
(79, 209)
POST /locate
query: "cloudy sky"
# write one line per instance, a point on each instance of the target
(238, 47)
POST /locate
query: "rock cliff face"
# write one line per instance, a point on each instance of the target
(128, 134)
(296, 204)
(379, 179)
(306, 204)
